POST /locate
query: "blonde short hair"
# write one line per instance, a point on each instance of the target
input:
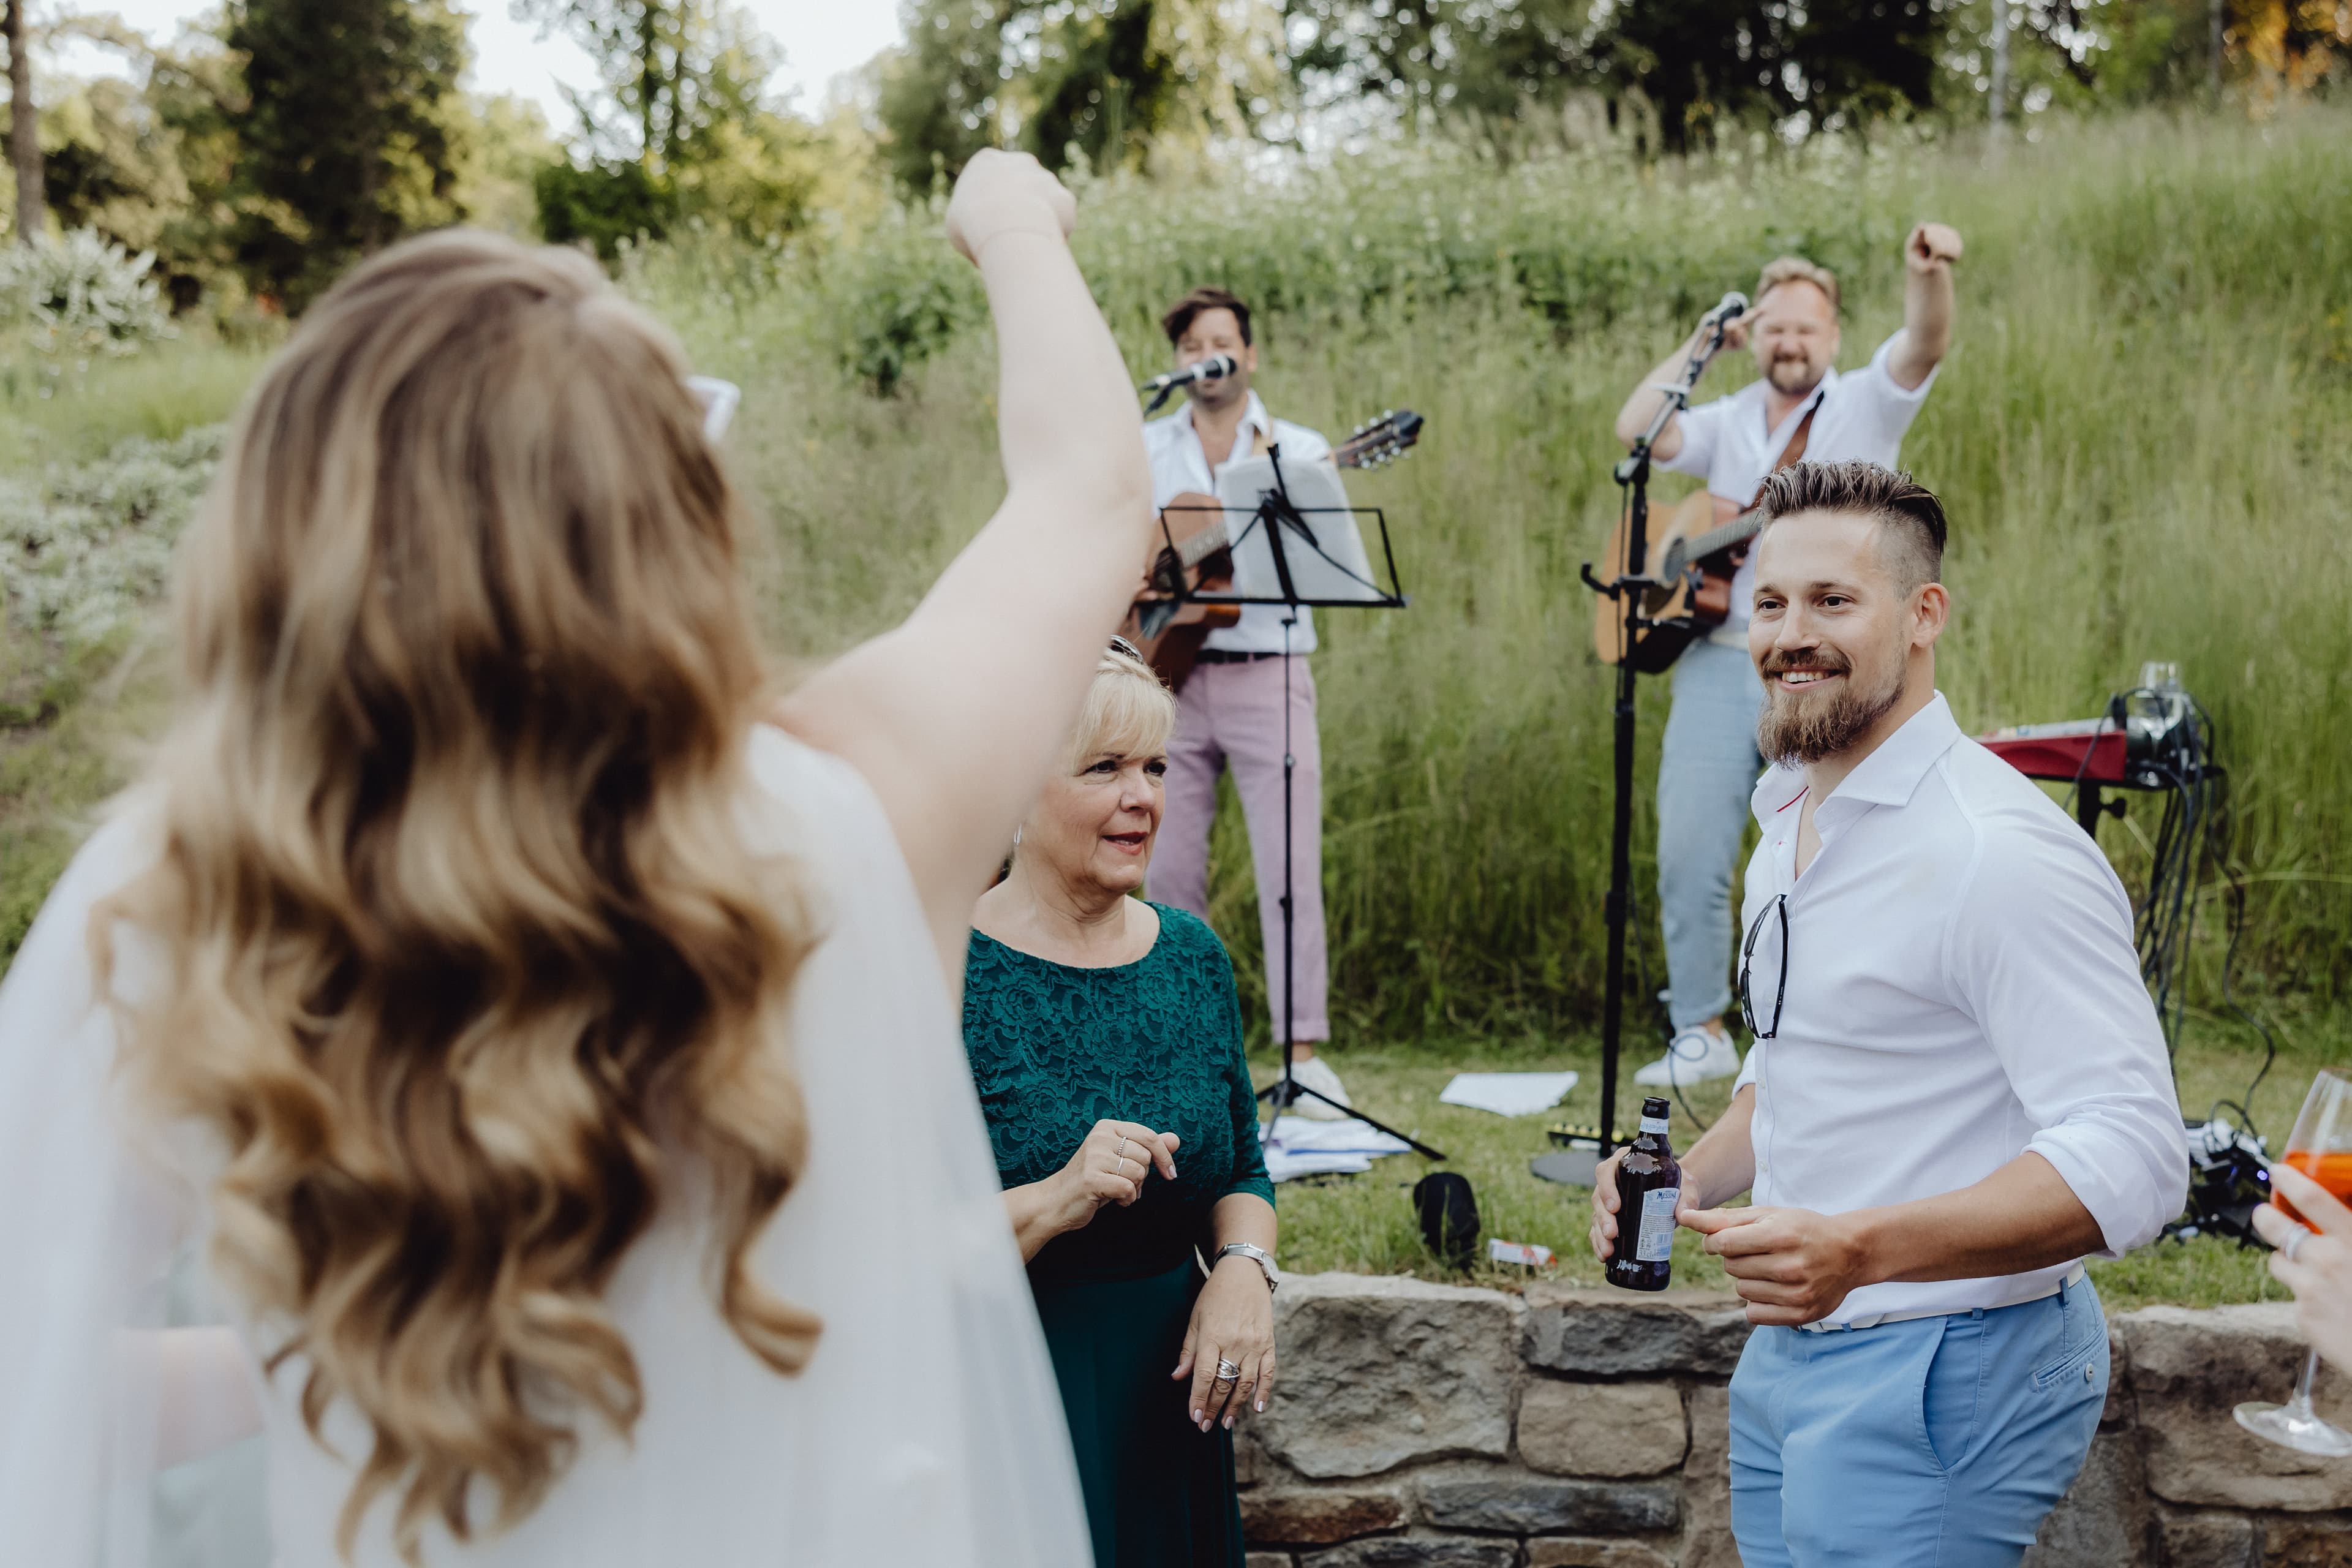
(1796, 269)
(1129, 711)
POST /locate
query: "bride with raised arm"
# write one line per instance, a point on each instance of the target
(546, 1036)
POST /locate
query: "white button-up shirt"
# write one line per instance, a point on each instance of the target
(1962, 988)
(1729, 443)
(1179, 464)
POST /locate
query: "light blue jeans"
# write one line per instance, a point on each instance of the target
(1706, 771)
(1937, 1443)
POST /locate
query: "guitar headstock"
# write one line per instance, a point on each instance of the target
(1377, 443)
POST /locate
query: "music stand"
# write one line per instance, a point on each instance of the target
(1348, 583)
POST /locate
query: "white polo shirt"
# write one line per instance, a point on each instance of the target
(1962, 987)
(1727, 442)
(1179, 464)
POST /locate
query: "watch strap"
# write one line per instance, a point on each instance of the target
(1257, 1255)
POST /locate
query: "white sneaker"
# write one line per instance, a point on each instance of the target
(1697, 1054)
(1315, 1073)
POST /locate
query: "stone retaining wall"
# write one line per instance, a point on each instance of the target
(1422, 1426)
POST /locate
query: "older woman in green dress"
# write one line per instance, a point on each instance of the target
(1106, 1042)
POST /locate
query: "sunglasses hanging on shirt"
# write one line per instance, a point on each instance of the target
(1747, 1016)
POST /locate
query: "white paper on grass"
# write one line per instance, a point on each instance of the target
(1509, 1093)
(1304, 1146)
(1326, 562)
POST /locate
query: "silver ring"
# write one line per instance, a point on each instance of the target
(1118, 1165)
(1227, 1370)
(2295, 1243)
(1122, 1146)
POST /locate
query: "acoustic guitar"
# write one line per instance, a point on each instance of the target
(1167, 623)
(1691, 595)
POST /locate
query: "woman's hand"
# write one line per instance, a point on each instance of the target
(2317, 1267)
(1231, 1327)
(1112, 1162)
(1005, 192)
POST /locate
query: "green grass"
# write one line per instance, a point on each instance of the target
(1365, 1224)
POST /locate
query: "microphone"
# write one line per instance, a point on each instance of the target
(1732, 306)
(1216, 367)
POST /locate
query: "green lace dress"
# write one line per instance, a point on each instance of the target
(1054, 1050)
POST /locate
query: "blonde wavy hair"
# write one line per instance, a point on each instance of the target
(462, 939)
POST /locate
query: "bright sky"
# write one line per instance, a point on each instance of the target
(820, 40)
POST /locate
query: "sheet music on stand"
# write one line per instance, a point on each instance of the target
(1321, 544)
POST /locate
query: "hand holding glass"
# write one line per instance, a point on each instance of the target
(2321, 1148)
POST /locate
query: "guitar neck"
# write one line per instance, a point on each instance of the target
(1738, 531)
(1203, 545)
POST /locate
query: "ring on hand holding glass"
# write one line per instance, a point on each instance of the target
(2295, 1243)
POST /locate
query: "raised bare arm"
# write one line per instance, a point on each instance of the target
(954, 717)
(1927, 303)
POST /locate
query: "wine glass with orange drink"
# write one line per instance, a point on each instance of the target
(2321, 1148)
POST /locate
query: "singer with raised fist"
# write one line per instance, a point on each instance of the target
(1230, 708)
(1799, 406)
(1959, 1089)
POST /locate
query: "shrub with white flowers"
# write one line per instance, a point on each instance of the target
(81, 296)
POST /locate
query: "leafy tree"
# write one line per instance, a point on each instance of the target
(1111, 84)
(347, 131)
(695, 136)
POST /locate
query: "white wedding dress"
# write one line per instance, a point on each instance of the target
(925, 1431)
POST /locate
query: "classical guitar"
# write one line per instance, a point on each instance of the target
(1167, 623)
(1695, 557)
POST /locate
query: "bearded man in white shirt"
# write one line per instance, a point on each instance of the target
(1231, 709)
(1800, 406)
(1959, 1089)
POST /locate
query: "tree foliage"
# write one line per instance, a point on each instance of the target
(346, 131)
(682, 130)
(1111, 84)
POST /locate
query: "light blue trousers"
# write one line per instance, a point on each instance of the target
(1937, 1443)
(1706, 774)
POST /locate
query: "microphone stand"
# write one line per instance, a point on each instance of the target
(1631, 589)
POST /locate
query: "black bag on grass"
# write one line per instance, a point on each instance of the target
(1449, 1216)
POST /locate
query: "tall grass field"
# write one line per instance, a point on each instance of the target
(2143, 437)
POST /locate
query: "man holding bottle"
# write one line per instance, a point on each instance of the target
(1959, 1090)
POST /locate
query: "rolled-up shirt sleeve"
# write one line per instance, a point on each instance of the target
(2040, 951)
(1702, 427)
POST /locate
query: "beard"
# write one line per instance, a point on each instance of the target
(1799, 727)
(1792, 378)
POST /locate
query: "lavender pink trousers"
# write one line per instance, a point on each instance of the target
(1229, 716)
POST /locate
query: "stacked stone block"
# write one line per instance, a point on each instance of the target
(1422, 1426)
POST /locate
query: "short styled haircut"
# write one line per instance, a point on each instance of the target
(1178, 319)
(1912, 542)
(1128, 711)
(1797, 270)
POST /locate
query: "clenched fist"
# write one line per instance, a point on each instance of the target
(1006, 193)
(1932, 247)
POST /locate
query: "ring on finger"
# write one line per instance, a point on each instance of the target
(1122, 1149)
(1227, 1370)
(2294, 1245)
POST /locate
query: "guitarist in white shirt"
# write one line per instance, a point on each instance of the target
(1799, 406)
(1230, 708)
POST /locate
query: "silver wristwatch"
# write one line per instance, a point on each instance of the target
(1257, 1255)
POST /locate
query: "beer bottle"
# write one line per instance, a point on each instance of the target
(1649, 1186)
